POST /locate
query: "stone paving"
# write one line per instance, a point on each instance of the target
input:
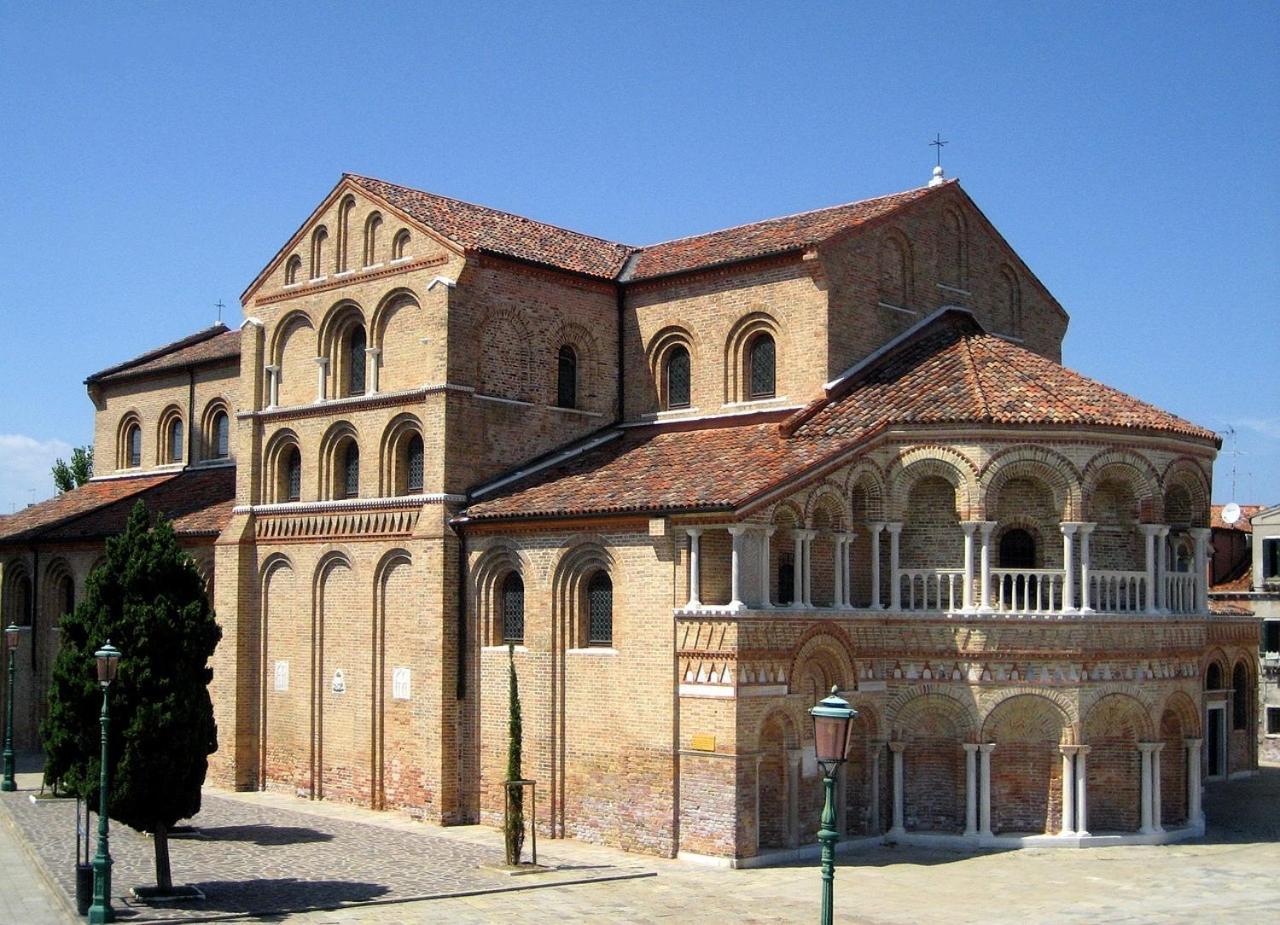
(306, 851)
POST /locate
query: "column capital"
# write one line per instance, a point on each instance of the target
(322, 361)
(737, 529)
(768, 529)
(1147, 747)
(1157, 747)
(1163, 531)
(809, 533)
(1152, 529)
(373, 351)
(987, 526)
(1084, 528)
(897, 746)
(1069, 527)
(987, 747)
(694, 531)
(968, 526)
(1200, 534)
(1192, 743)
(1068, 749)
(875, 526)
(894, 526)
(969, 746)
(272, 367)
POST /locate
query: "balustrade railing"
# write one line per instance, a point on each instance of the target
(1180, 592)
(1117, 591)
(1027, 590)
(931, 588)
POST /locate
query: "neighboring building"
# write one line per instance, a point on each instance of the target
(695, 485)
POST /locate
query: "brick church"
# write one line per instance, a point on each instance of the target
(695, 484)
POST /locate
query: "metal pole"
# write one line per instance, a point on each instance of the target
(101, 912)
(8, 784)
(828, 836)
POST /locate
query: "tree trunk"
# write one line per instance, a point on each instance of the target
(164, 877)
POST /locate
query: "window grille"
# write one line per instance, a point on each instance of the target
(355, 359)
(513, 609)
(678, 378)
(293, 490)
(351, 472)
(175, 442)
(763, 355)
(413, 465)
(135, 446)
(600, 610)
(221, 435)
(567, 380)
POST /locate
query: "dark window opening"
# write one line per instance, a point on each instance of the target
(678, 378)
(293, 476)
(1273, 721)
(567, 379)
(413, 466)
(1271, 635)
(221, 435)
(1213, 678)
(1239, 698)
(1271, 558)
(351, 472)
(762, 361)
(1017, 550)
(513, 609)
(600, 610)
(175, 442)
(135, 446)
(786, 579)
(355, 361)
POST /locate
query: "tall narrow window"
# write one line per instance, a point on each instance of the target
(513, 609)
(175, 440)
(400, 245)
(372, 225)
(351, 471)
(1239, 698)
(600, 610)
(292, 269)
(678, 378)
(786, 579)
(355, 361)
(567, 379)
(221, 441)
(761, 360)
(293, 475)
(68, 589)
(1270, 557)
(344, 232)
(133, 441)
(318, 239)
(413, 466)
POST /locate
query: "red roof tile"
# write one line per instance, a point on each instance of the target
(213, 344)
(1243, 525)
(949, 371)
(33, 520)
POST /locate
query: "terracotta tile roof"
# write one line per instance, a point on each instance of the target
(213, 344)
(1243, 525)
(1241, 581)
(948, 371)
(199, 501)
(482, 228)
(1229, 608)
(760, 239)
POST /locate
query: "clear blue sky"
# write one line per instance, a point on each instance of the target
(157, 155)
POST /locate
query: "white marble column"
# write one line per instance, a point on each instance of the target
(896, 748)
(273, 386)
(966, 593)
(837, 571)
(1082, 790)
(797, 568)
(1068, 529)
(322, 372)
(984, 809)
(1201, 536)
(1085, 530)
(809, 536)
(875, 527)
(1162, 590)
(766, 573)
(848, 570)
(970, 789)
(735, 567)
(1149, 534)
(877, 748)
(1068, 788)
(1145, 787)
(1156, 812)
(895, 553)
(372, 363)
(1195, 814)
(984, 573)
(695, 568)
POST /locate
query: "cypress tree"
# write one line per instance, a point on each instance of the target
(513, 824)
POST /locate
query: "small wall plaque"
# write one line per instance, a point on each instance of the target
(400, 684)
(703, 742)
(282, 676)
(339, 682)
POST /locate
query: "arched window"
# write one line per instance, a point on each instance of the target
(292, 269)
(761, 360)
(292, 476)
(413, 465)
(133, 446)
(400, 244)
(678, 377)
(1017, 550)
(319, 238)
(372, 225)
(1009, 319)
(174, 441)
(1239, 697)
(600, 610)
(220, 436)
(355, 360)
(513, 609)
(895, 273)
(344, 232)
(1213, 677)
(351, 471)
(23, 607)
(66, 595)
(567, 378)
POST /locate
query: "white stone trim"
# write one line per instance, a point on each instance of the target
(349, 504)
(437, 281)
(898, 308)
(717, 691)
(593, 650)
(662, 417)
(956, 289)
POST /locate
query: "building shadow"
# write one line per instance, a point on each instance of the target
(266, 897)
(1244, 811)
(258, 834)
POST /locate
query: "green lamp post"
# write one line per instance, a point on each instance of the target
(100, 910)
(11, 634)
(832, 726)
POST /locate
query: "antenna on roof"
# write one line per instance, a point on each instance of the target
(938, 143)
(219, 306)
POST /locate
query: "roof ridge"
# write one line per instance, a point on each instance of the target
(189, 341)
(971, 370)
(1033, 381)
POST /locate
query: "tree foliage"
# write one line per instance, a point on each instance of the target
(67, 476)
(149, 600)
(513, 824)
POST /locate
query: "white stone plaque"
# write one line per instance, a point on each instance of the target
(339, 685)
(282, 676)
(400, 684)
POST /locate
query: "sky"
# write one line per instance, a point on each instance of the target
(158, 154)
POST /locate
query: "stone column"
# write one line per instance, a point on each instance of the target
(1068, 529)
(970, 789)
(1201, 536)
(797, 569)
(1149, 534)
(984, 578)
(848, 571)
(984, 810)
(695, 568)
(1162, 538)
(1145, 781)
(1156, 813)
(896, 748)
(372, 363)
(1082, 790)
(1068, 788)
(895, 586)
(1195, 815)
(766, 576)
(322, 372)
(273, 386)
(875, 527)
(966, 593)
(877, 747)
(837, 571)
(1085, 530)
(735, 567)
(809, 536)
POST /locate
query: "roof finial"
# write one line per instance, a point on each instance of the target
(938, 176)
(219, 306)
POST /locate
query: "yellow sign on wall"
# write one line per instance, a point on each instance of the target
(703, 742)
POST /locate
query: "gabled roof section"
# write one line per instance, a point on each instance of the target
(215, 344)
(481, 228)
(946, 371)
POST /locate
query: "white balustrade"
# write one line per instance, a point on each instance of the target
(1028, 590)
(930, 588)
(1118, 591)
(1180, 592)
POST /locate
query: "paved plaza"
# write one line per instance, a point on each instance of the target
(274, 858)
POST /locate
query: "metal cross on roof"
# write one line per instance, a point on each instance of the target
(219, 306)
(938, 143)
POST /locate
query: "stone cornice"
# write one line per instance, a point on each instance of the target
(355, 276)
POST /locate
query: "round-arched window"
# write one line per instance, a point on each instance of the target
(678, 377)
(761, 360)
(513, 609)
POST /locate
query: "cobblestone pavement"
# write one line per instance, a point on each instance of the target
(301, 850)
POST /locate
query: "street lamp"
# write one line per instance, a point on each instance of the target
(832, 727)
(12, 633)
(100, 911)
